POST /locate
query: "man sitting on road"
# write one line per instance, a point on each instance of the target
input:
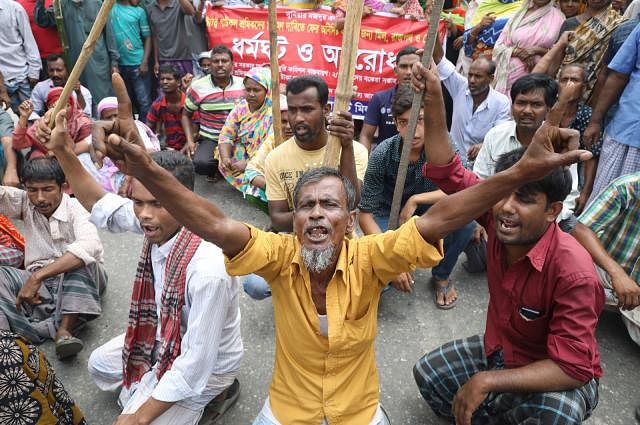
(325, 286)
(182, 349)
(418, 195)
(538, 361)
(64, 277)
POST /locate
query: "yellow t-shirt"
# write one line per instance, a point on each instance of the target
(335, 376)
(285, 164)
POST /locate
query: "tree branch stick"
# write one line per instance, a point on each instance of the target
(429, 43)
(85, 54)
(275, 74)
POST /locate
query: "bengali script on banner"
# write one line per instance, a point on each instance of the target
(309, 44)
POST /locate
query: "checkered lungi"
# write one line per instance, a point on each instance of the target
(615, 160)
(440, 373)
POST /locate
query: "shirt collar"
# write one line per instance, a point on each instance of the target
(62, 212)
(164, 249)
(538, 254)
(183, 98)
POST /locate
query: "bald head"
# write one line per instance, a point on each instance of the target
(480, 76)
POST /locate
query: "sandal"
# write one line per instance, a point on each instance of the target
(219, 405)
(443, 290)
(67, 346)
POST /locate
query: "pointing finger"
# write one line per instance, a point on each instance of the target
(125, 111)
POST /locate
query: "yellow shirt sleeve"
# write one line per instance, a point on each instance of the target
(265, 254)
(401, 250)
(361, 155)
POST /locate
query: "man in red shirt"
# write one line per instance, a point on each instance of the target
(46, 38)
(538, 360)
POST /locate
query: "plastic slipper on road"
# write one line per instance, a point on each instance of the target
(444, 290)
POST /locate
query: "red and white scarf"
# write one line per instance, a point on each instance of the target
(143, 321)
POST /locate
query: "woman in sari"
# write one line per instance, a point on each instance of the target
(248, 124)
(585, 43)
(527, 37)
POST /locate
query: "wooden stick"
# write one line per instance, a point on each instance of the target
(344, 90)
(85, 54)
(429, 43)
(275, 74)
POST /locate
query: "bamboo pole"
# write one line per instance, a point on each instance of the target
(429, 43)
(275, 74)
(85, 54)
(344, 90)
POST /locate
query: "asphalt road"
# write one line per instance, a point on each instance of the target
(408, 326)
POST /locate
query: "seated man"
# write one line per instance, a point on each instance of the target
(182, 348)
(419, 194)
(325, 286)
(608, 229)
(477, 107)
(8, 157)
(538, 361)
(64, 277)
(58, 75)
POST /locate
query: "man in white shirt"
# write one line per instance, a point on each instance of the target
(182, 349)
(58, 74)
(477, 107)
(533, 96)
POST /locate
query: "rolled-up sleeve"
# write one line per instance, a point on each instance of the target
(115, 214)
(87, 245)
(571, 343)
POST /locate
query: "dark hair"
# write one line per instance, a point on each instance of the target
(315, 175)
(402, 100)
(491, 65)
(556, 185)
(168, 69)
(575, 65)
(54, 57)
(222, 49)
(299, 84)
(407, 50)
(536, 81)
(178, 165)
(42, 169)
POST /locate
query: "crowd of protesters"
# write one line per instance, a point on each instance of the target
(524, 163)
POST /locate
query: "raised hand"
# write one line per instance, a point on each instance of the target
(25, 109)
(122, 126)
(427, 81)
(552, 146)
(341, 126)
(59, 139)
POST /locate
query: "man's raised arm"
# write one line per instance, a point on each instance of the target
(551, 147)
(120, 142)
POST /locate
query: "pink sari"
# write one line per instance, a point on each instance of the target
(539, 29)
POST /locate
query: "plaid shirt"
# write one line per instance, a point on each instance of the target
(614, 217)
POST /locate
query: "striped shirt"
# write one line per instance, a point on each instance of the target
(160, 113)
(614, 215)
(213, 102)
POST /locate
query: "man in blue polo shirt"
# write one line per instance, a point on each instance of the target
(378, 116)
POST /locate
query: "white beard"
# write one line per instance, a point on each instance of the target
(317, 260)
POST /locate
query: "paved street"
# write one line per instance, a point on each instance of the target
(408, 326)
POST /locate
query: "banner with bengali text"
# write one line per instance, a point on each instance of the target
(309, 44)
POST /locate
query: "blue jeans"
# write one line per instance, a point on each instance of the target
(18, 91)
(138, 87)
(256, 287)
(454, 245)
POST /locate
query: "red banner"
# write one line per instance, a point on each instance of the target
(309, 44)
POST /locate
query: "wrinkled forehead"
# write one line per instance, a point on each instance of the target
(327, 188)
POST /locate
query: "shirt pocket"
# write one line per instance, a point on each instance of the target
(359, 333)
(532, 330)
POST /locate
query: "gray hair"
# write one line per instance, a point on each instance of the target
(316, 174)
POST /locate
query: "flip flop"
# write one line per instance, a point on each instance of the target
(67, 346)
(439, 289)
(219, 405)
